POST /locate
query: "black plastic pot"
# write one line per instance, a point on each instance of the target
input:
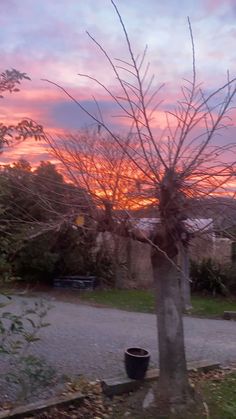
(136, 362)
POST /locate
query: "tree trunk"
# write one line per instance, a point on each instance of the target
(120, 262)
(174, 391)
(185, 279)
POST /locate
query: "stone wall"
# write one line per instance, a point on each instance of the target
(222, 250)
(209, 246)
(201, 247)
(133, 258)
(140, 264)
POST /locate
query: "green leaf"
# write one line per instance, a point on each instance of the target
(30, 338)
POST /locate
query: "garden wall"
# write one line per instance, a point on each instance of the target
(133, 258)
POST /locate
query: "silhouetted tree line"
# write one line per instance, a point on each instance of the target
(40, 237)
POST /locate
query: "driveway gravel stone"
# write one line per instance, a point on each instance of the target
(84, 339)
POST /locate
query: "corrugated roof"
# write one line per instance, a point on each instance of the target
(193, 225)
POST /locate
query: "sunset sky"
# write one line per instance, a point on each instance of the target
(47, 39)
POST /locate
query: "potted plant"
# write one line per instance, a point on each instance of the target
(136, 362)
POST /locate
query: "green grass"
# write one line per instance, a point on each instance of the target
(143, 301)
(218, 397)
(221, 397)
(210, 306)
(133, 300)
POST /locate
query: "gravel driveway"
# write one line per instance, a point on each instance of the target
(84, 339)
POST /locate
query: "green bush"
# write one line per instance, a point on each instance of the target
(28, 374)
(37, 260)
(209, 277)
(31, 202)
(31, 375)
(67, 252)
(6, 271)
(230, 272)
(104, 270)
(74, 247)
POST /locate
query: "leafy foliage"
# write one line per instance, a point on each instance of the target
(10, 79)
(105, 270)
(36, 260)
(37, 224)
(17, 333)
(32, 375)
(26, 128)
(6, 272)
(75, 249)
(209, 277)
(9, 82)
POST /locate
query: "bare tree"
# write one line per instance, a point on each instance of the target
(177, 169)
(95, 163)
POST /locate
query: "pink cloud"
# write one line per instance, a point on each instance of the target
(213, 5)
(58, 49)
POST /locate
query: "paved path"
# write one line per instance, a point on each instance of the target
(89, 340)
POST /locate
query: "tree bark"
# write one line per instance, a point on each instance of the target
(174, 391)
(120, 262)
(184, 278)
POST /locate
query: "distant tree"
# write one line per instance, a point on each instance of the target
(10, 81)
(38, 210)
(93, 162)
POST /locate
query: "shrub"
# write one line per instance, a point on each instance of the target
(230, 272)
(31, 375)
(74, 248)
(36, 260)
(28, 374)
(104, 270)
(208, 277)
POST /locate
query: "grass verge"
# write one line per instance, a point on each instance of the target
(215, 399)
(143, 301)
(220, 397)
